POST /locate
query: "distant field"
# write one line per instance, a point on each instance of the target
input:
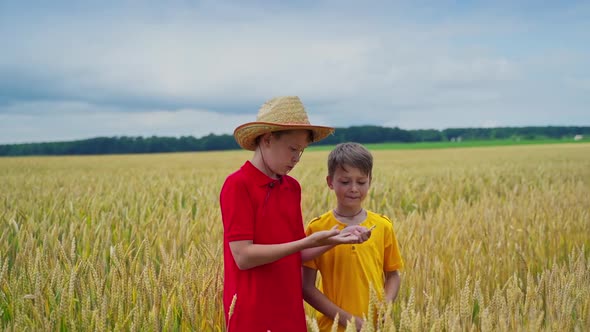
(494, 238)
(463, 144)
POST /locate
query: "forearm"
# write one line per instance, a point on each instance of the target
(321, 303)
(248, 255)
(311, 253)
(392, 284)
(350, 234)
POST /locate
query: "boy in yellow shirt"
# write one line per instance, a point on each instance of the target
(348, 271)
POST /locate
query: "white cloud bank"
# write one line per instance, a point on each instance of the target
(195, 71)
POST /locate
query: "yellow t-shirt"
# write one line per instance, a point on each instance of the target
(348, 270)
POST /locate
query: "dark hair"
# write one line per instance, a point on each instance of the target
(352, 155)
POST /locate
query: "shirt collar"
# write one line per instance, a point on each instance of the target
(261, 179)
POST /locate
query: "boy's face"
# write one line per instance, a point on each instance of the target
(283, 152)
(350, 186)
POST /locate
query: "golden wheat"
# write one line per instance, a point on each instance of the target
(494, 239)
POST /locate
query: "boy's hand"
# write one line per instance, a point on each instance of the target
(361, 232)
(333, 237)
(359, 323)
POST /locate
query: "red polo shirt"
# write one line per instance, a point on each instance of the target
(266, 211)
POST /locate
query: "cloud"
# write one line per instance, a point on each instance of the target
(31, 122)
(153, 68)
(176, 64)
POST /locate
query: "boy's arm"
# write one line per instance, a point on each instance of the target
(361, 233)
(311, 253)
(392, 283)
(248, 255)
(321, 303)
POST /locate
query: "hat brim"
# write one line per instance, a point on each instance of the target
(247, 133)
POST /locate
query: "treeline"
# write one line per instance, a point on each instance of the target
(361, 134)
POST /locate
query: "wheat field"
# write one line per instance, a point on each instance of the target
(494, 239)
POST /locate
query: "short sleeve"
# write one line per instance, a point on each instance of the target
(237, 210)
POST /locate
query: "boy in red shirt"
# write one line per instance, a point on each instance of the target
(264, 240)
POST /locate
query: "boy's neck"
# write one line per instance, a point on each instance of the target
(350, 217)
(259, 162)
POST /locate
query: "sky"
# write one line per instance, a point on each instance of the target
(75, 70)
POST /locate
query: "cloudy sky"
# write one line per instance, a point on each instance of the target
(73, 70)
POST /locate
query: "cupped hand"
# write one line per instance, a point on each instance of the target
(333, 236)
(361, 232)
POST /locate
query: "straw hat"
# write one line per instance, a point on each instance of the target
(280, 113)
